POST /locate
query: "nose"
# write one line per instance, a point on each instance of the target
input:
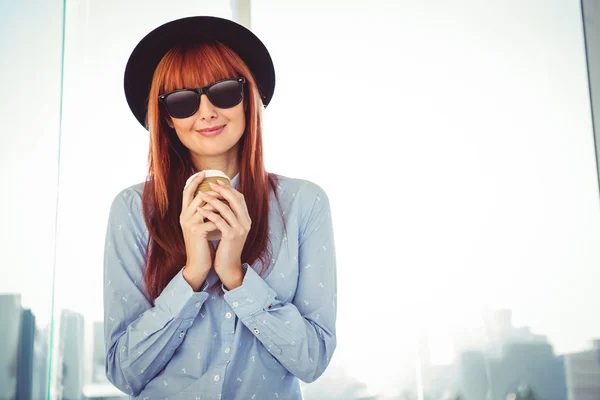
(206, 110)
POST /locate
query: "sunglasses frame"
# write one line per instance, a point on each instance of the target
(200, 91)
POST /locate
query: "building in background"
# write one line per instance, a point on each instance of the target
(40, 364)
(25, 356)
(532, 364)
(97, 386)
(10, 320)
(582, 372)
(71, 356)
(23, 352)
(507, 358)
(98, 354)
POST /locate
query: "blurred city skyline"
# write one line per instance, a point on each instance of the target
(511, 357)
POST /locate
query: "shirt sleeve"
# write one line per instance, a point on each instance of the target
(301, 334)
(140, 339)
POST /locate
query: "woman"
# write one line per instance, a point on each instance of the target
(246, 316)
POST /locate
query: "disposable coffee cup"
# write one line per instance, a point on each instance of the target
(211, 175)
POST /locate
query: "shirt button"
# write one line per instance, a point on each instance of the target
(181, 334)
(228, 315)
(217, 378)
(198, 304)
(256, 331)
(235, 304)
(227, 350)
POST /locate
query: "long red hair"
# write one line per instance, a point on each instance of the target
(169, 164)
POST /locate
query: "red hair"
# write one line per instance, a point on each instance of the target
(169, 164)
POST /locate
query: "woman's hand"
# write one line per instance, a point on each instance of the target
(199, 251)
(234, 223)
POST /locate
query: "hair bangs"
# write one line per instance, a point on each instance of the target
(195, 66)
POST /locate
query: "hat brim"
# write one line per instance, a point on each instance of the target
(150, 50)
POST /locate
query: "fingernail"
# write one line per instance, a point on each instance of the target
(220, 182)
(212, 184)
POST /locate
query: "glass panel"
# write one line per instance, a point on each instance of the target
(591, 25)
(31, 48)
(455, 142)
(103, 150)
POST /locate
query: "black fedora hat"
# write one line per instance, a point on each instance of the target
(150, 50)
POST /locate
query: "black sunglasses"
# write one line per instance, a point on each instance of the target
(184, 103)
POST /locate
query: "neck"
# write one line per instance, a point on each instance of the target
(224, 162)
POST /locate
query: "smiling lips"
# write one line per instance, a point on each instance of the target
(213, 131)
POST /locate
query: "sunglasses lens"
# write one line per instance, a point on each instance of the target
(182, 104)
(226, 94)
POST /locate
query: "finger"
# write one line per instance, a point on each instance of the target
(195, 219)
(199, 199)
(190, 189)
(224, 210)
(233, 197)
(225, 190)
(209, 227)
(236, 200)
(216, 219)
(197, 202)
(199, 219)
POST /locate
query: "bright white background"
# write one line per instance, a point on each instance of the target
(454, 140)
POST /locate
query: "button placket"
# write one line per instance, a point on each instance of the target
(227, 335)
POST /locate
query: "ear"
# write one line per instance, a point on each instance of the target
(169, 122)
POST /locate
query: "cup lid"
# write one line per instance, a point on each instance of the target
(208, 173)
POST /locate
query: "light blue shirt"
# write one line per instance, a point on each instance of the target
(256, 342)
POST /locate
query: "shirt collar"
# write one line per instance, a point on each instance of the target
(235, 181)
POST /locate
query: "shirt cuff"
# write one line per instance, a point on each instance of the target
(253, 296)
(179, 298)
(244, 268)
(204, 286)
